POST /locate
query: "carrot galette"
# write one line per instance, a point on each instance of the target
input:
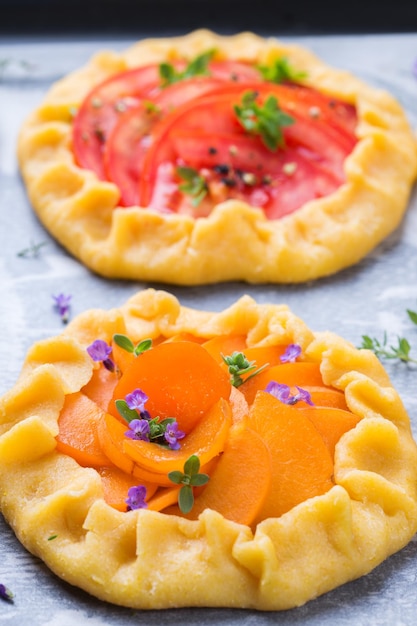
(208, 158)
(158, 456)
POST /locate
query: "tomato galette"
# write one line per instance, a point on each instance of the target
(209, 158)
(159, 456)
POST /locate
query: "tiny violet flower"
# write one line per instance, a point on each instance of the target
(283, 394)
(172, 434)
(62, 304)
(99, 350)
(136, 400)
(5, 593)
(136, 498)
(291, 353)
(138, 429)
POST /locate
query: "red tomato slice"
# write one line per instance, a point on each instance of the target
(200, 134)
(102, 108)
(108, 101)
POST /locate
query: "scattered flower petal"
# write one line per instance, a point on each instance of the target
(136, 400)
(283, 393)
(172, 434)
(99, 350)
(291, 353)
(138, 429)
(136, 498)
(5, 593)
(62, 304)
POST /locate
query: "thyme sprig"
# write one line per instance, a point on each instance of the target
(196, 67)
(127, 344)
(280, 71)
(189, 478)
(32, 251)
(383, 350)
(239, 365)
(266, 120)
(194, 184)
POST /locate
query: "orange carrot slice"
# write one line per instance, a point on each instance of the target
(331, 423)
(241, 480)
(291, 374)
(181, 380)
(206, 440)
(224, 345)
(324, 396)
(301, 463)
(78, 434)
(100, 387)
(122, 358)
(116, 485)
(111, 434)
(263, 355)
(163, 498)
(239, 405)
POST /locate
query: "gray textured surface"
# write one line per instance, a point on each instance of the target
(366, 299)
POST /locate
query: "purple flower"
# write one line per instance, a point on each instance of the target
(283, 393)
(62, 304)
(5, 593)
(99, 350)
(291, 353)
(138, 429)
(303, 396)
(136, 400)
(280, 391)
(172, 434)
(136, 498)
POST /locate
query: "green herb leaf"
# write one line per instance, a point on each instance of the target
(125, 412)
(267, 120)
(195, 185)
(189, 478)
(127, 344)
(186, 499)
(382, 350)
(124, 342)
(32, 251)
(412, 315)
(196, 67)
(280, 71)
(238, 366)
(143, 346)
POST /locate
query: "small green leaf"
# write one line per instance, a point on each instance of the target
(197, 480)
(125, 412)
(176, 477)
(196, 67)
(280, 71)
(143, 346)
(192, 465)
(412, 315)
(124, 342)
(195, 185)
(186, 499)
(267, 120)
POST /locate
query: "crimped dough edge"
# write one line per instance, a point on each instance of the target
(236, 242)
(148, 560)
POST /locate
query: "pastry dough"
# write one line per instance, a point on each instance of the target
(149, 560)
(236, 241)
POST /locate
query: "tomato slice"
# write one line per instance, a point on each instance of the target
(102, 108)
(135, 133)
(111, 99)
(201, 133)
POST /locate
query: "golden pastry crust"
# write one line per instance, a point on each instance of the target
(146, 560)
(236, 242)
